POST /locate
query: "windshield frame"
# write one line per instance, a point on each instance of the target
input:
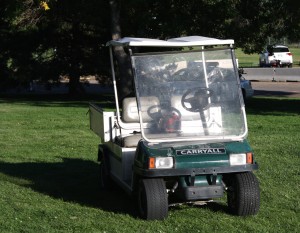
(206, 138)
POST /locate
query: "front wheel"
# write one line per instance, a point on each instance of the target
(243, 196)
(152, 199)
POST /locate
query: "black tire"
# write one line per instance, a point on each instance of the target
(152, 199)
(261, 64)
(105, 180)
(243, 195)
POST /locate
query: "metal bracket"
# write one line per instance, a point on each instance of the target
(214, 179)
(193, 178)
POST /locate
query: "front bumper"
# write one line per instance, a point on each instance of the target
(280, 62)
(194, 171)
(193, 193)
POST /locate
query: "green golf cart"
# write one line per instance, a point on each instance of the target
(182, 134)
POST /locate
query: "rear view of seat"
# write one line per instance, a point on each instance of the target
(185, 114)
(150, 106)
(150, 109)
(191, 121)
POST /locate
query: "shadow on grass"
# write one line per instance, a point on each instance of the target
(73, 180)
(59, 100)
(214, 206)
(77, 181)
(273, 106)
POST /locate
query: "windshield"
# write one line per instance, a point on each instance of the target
(189, 96)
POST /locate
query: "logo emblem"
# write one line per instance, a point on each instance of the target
(201, 151)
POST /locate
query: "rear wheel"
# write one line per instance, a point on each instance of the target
(152, 199)
(243, 195)
(105, 180)
(260, 63)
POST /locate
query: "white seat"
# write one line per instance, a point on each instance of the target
(131, 140)
(191, 121)
(185, 114)
(150, 109)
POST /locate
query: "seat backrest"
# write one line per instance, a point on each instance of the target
(150, 107)
(185, 114)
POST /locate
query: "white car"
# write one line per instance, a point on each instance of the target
(276, 56)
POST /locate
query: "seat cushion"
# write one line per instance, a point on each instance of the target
(132, 140)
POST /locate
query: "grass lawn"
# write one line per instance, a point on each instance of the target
(49, 179)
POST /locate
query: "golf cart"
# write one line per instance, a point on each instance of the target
(182, 135)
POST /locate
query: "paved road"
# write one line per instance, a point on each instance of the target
(282, 89)
(269, 74)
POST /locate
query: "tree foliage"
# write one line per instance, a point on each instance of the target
(64, 40)
(248, 22)
(54, 38)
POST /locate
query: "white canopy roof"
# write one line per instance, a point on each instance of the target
(174, 42)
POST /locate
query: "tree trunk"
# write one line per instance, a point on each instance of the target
(122, 59)
(75, 87)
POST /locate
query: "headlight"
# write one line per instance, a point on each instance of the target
(161, 162)
(237, 159)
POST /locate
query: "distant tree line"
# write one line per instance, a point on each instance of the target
(47, 40)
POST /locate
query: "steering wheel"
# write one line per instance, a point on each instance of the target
(197, 99)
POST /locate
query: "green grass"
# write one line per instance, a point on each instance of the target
(251, 60)
(296, 55)
(49, 180)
